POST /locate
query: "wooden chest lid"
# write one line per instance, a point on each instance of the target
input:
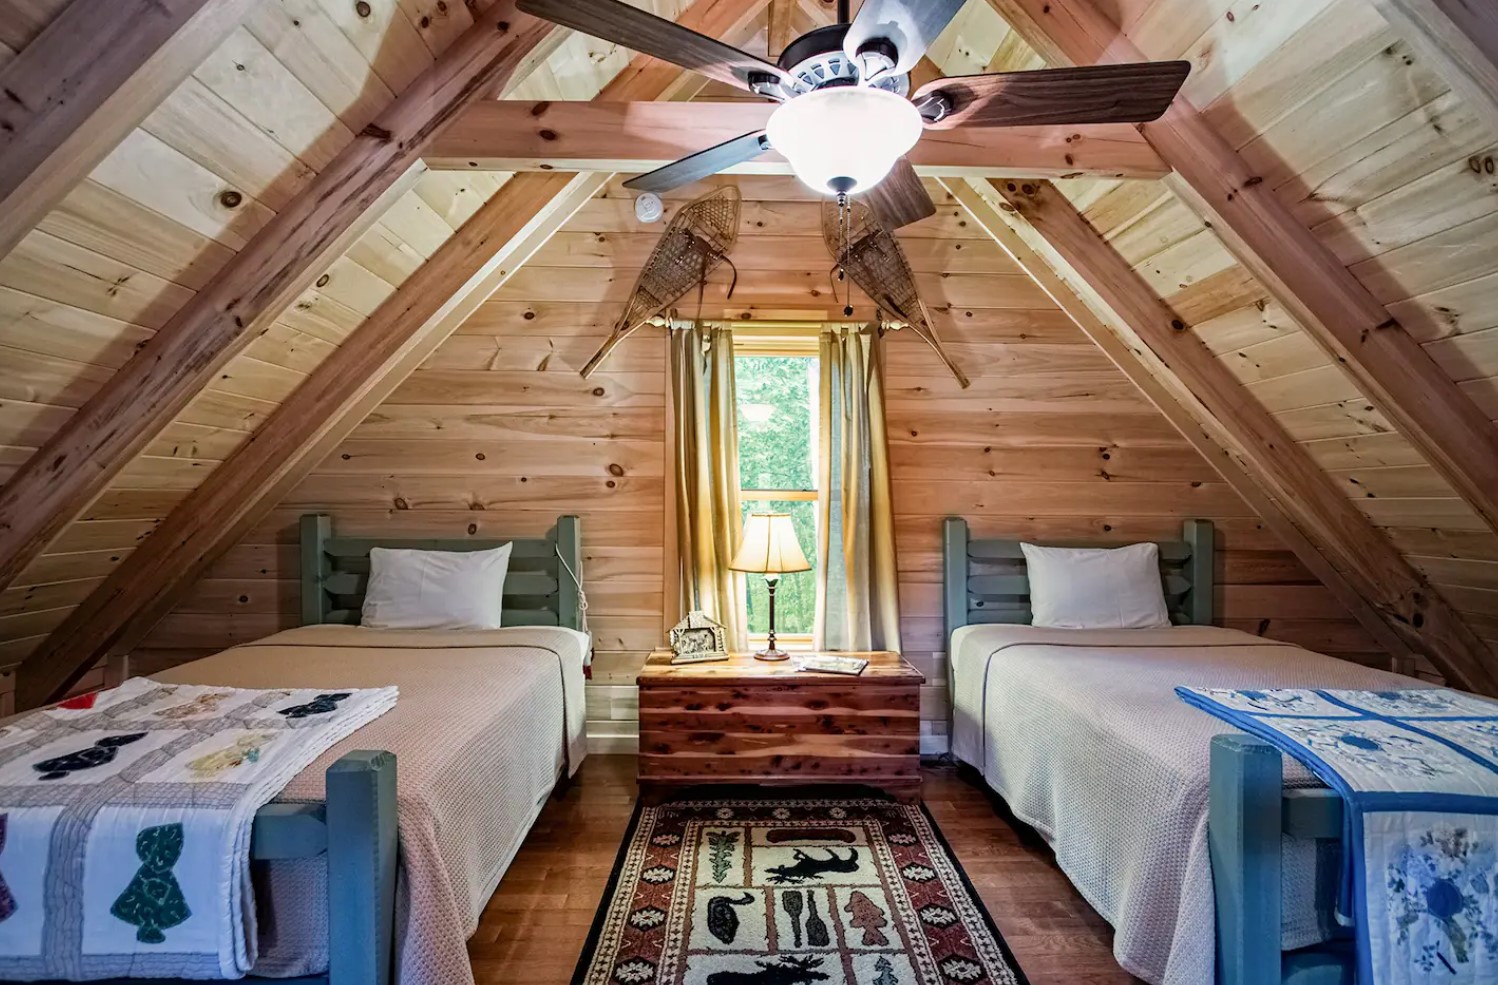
(885, 667)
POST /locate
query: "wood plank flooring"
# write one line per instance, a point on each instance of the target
(534, 928)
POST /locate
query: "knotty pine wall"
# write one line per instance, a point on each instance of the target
(180, 195)
(1393, 172)
(497, 434)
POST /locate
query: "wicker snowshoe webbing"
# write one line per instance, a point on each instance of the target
(875, 261)
(695, 244)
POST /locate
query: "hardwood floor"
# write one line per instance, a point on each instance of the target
(534, 927)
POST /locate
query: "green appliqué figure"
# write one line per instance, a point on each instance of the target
(153, 901)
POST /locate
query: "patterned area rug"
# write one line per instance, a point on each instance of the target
(790, 892)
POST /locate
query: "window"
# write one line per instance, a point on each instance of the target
(776, 385)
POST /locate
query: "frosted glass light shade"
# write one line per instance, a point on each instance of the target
(770, 546)
(851, 132)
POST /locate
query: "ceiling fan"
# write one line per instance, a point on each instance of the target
(847, 117)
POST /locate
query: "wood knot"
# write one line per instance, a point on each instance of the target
(529, 315)
(376, 131)
(547, 134)
(230, 199)
(1178, 325)
(362, 9)
(540, 108)
(598, 391)
(324, 279)
(616, 470)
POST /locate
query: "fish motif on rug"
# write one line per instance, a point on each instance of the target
(791, 892)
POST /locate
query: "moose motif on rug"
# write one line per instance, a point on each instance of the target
(810, 890)
(787, 971)
(806, 867)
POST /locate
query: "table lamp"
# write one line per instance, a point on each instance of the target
(770, 548)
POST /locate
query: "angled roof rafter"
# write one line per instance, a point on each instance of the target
(335, 397)
(517, 221)
(84, 83)
(277, 265)
(1188, 416)
(1363, 556)
(1337, 311)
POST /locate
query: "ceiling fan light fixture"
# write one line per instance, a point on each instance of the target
(848, 134)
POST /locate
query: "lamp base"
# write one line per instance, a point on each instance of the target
(772, 654)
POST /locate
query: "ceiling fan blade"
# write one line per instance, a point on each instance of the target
(910, 25)
(1135, 93)
(702, 164)
(900, 198)
(644, 32)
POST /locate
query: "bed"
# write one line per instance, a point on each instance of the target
(362, 883)
(1232, 875)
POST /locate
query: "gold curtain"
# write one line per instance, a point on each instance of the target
(858, 604)
(708, 520)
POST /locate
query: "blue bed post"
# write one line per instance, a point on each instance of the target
(569, 548)
(316, 528)
(954, 592)
(1244, 826)
(361, 868)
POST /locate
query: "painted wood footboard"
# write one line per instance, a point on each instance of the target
(355, 830)
(1249, 811)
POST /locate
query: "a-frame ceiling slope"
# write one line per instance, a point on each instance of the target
(242, 135)
(1359, 139)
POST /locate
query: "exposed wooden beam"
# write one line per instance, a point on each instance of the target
(1337, 311)
(782, 25)
(1458, 37)
(1024, 246)
(346, 388)
(143, 396)
(84, 83)
(593, 136)
(1366, 559)
(334, 398)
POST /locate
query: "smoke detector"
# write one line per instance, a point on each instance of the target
(649, 208)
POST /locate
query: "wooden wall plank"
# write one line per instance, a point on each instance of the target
(83, 83)
(259, 281)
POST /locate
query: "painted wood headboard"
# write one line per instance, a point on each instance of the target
(538, 589)
(984, 581)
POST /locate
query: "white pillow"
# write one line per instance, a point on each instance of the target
(1096, 588)
(435, 589)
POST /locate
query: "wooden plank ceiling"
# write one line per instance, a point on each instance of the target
(1359, 136)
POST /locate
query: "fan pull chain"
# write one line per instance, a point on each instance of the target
(844, 214)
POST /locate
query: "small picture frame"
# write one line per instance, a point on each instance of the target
(698, 634)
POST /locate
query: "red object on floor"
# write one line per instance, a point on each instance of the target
(81, 702)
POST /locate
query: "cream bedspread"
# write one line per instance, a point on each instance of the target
(484, 725)
(1082, 734)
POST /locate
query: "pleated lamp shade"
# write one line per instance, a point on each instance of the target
(770, 546)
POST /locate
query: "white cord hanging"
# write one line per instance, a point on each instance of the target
(582, 596)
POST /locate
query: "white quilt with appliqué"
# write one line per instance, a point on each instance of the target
(125, 821)
(1418, 772)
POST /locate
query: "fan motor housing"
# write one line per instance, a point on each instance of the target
(816, 60)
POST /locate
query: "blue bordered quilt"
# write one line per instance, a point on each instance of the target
(1418, 772)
